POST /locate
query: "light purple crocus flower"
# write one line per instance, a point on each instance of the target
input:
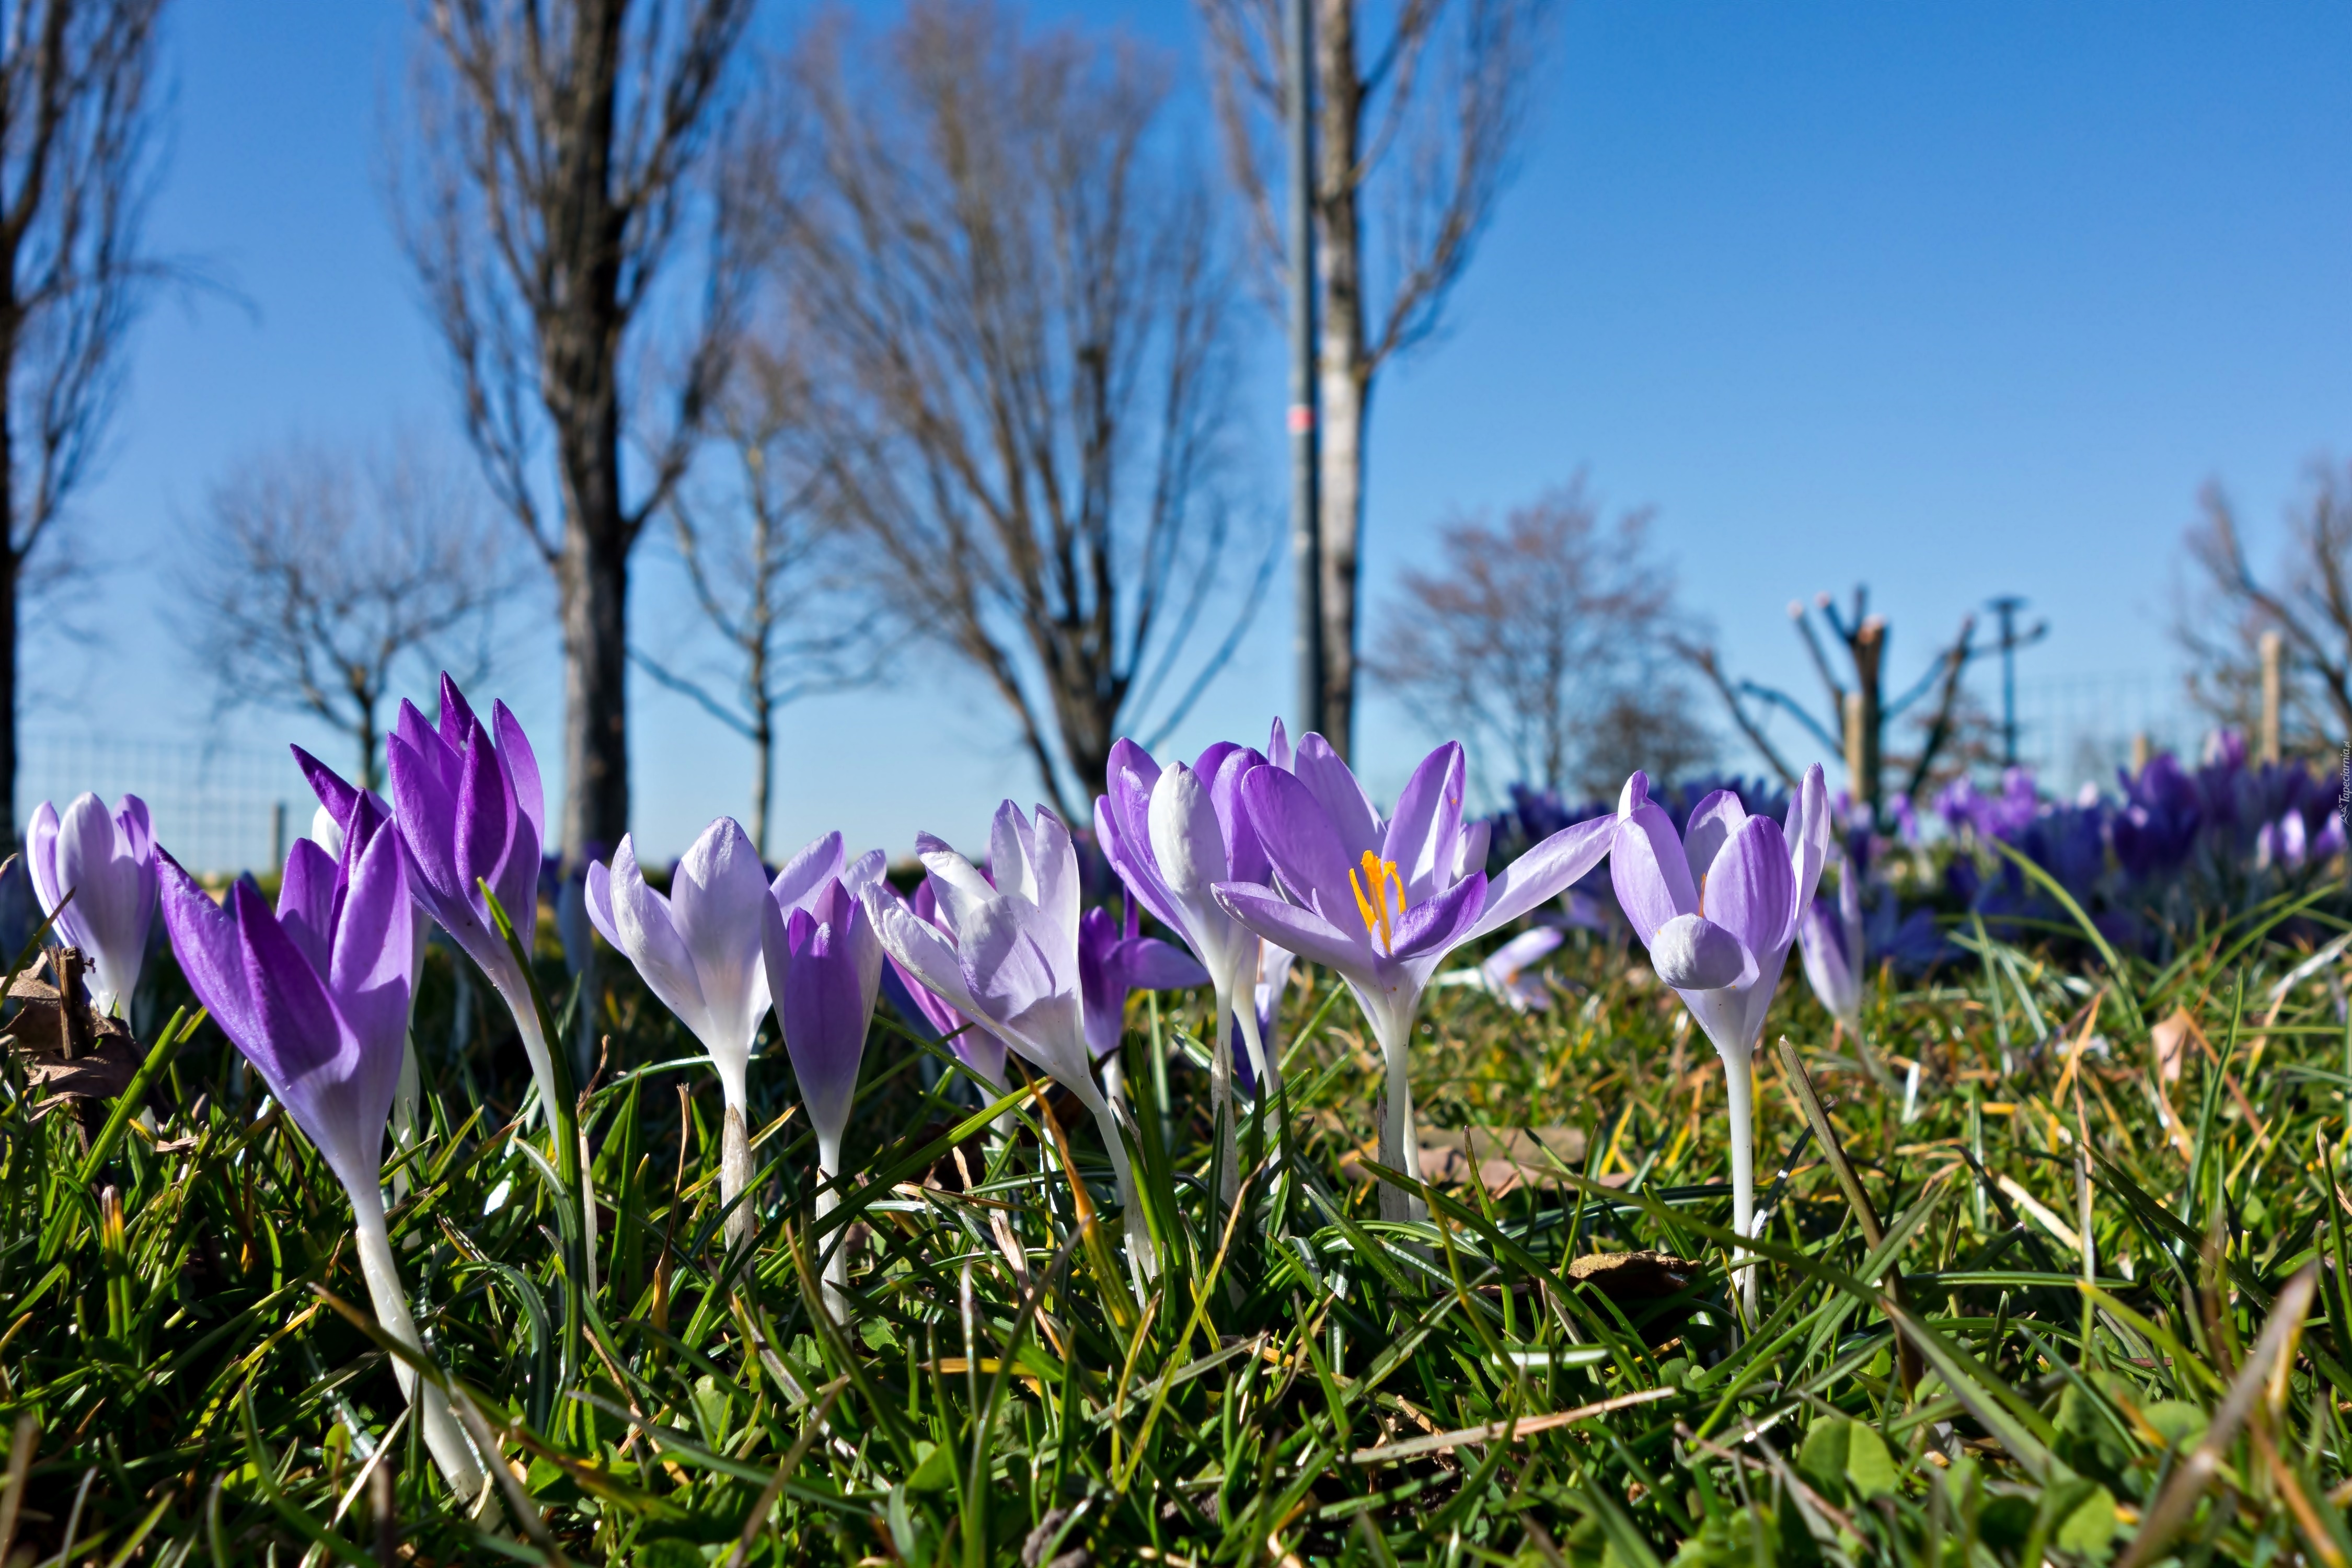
(1007, 953)
(468, 798)
(699, 950)
(1172, 836)
(94, 872)
(980, 1050)
(1505, 975)
(1719, 910)
(1113, 962)
(1383, 902)
(824, 968)
(316, 996)
(1273, 978)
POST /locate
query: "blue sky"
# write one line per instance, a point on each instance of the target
(1957, 301)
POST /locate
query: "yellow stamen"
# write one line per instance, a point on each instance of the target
(1373, 904)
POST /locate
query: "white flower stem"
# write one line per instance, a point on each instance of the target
(1263, 1063)
(735, 1173)
(407, 1113)
(1739, 1098)
(451, 1450)
(1400, 1139)
(1221, 1099)
(836, 1266)
(1141, 1255)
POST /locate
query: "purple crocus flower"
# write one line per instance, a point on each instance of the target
(1007, 953)
(1112, 962)
(338, 799)
(1273, 979)
(471, 811)
(1717, 909)
(1174, 835)
(94, 872)
(824, 967)
(1383, 902)
(980, 1049)
(699, 950)
(316, 996)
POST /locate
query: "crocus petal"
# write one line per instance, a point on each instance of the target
(1277, 747)
(1521, 951)
(919, 948)
(306, 901)
(1712, 822)
(1054, 871)
(369, 970)
(1691, 952)
(715, 902)
(955, 881)
(205, 940)
(824, 1012)
(1809, 845)
(1245, 857)
(1423, 835)
(1307, 851)
(112, 898)
(1439, 926)
(648, 936)
(1751, 889)
(596, 892)
(1544, 872)
(1476, 836)
(336, 794)
(326, 832)
(1649, 871)
(1298, 930)
(1151, 964)
(1345, 804)
(1829, 967)
(523, 768)
(818, 862)
(41, 856)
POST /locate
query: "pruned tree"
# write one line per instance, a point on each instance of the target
(318, 576)
(1548, 638)
(1007, 283)
(1857, 710)
(78, 129)
(767, 574)
(1419, 108)
(559, 169)
(2219, 620)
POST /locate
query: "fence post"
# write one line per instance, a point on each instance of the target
(2271, 696)
(277, 834)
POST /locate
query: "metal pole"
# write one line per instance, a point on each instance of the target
(1306, 498)
(2007, 609)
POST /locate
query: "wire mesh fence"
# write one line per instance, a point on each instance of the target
(2080, 729)
(217, 809)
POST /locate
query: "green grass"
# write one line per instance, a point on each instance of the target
(1305, 1383)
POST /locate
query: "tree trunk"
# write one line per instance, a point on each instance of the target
(595, 592)
(763, 736)
(1345, 379)
(11, 574)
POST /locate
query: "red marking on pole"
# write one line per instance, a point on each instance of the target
(1302, 419)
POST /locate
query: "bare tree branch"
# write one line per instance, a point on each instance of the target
(2309, 604)
(562, 151)
(1009, 288)
(319, 575)
(77, 140)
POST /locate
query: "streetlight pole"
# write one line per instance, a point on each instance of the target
(1306, 498)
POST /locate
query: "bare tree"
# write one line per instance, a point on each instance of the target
(2220, 623)
(77, 131)
(1416, 125)
(560, 170)
(319, 575)
(1858, 711)
(1008, 283)
(1546, 638)
(766, 573)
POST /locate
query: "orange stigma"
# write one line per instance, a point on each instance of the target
(1373, 896)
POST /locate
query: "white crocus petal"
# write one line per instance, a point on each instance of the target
(645, 931)
(956, 882)
(326, 832)
(1189, 845)
(806, 874)
(41, 856)
(922, 948)
(1053, 862)
(98, 869)
(716, 898)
